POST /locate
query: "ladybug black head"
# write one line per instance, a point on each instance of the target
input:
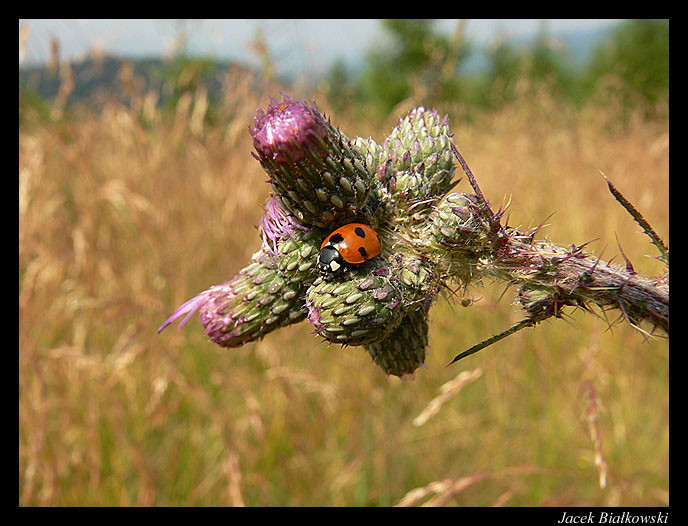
(329, 260)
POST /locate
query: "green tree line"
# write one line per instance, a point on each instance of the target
(630, 65)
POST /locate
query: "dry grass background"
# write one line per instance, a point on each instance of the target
(124, 215)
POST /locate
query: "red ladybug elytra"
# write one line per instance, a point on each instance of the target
(353, 243)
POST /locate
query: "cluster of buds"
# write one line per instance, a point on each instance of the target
(321, 180)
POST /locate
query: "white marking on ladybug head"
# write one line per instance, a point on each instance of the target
(334, 266)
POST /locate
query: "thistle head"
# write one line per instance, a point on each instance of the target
(318, 174)
(416, 163)
(322, 180)
(362, 309)
(287, 130)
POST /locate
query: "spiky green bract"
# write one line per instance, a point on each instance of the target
(416, 162)
(379, 208)
(316, 171)
(457, 222)
(459, 237)
(370, 150)
(404, 350)
(363, 308)
(267, 294)
(411, 272)
(540, 303)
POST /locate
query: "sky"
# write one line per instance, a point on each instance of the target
(308, 45)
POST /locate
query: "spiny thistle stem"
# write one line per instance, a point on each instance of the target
(549, 277)
(429, 236)
(576, 278)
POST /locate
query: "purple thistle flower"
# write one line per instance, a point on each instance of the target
(265, 295)
(287, 130)
(275, 225)
(319, 175)
(221, 312)
(216, 318)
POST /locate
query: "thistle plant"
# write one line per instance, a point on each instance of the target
(432, 240)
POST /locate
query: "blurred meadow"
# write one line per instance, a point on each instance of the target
(131, 208)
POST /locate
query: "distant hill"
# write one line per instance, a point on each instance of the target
(112, 78)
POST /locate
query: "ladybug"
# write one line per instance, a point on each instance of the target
(351, 244)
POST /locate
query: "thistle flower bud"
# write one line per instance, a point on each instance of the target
(363, 309)
(267, 294)
(317, 173)
(456, 222)
(252, 304)
(416, 161)
(404, 350)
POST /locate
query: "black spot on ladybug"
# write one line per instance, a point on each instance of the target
(363, 252)
(359, 231)
(335, 239)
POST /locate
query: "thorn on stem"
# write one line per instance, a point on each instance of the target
(629, 265)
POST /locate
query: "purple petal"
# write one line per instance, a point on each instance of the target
(275, 225)
(188, 308)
